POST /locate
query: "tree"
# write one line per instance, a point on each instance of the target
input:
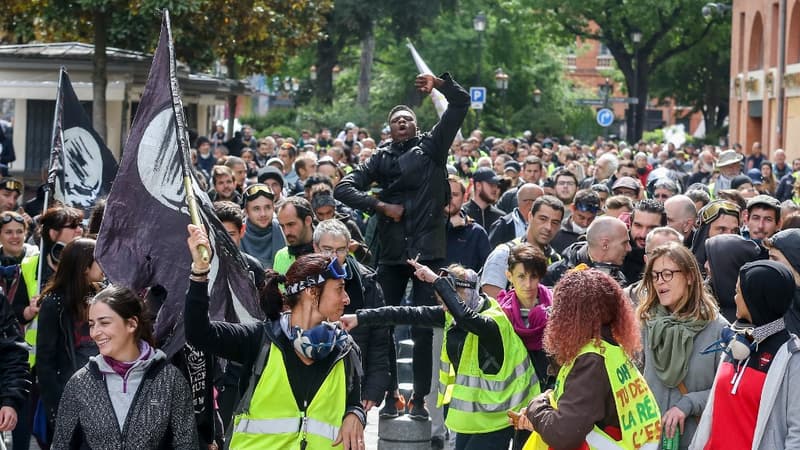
(668, 28)
(700, 77)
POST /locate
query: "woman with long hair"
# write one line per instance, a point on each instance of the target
(63, 342)
(768, 182)
(680, 318)
(593, 334)
(148, 405)
(303, 388)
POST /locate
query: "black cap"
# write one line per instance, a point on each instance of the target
(512, 165)
(485, 174)
(268, 172)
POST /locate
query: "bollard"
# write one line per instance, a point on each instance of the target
(403, 433)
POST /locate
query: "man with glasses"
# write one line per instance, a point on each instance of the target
(566, 185)
(332, 237)
(716, 218)
(584, 209)
(262, 237)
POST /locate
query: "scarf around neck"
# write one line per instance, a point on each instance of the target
(537, 317)
(671, 339)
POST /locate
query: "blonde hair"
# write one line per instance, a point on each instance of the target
(698, 304)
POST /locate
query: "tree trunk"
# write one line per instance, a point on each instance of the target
(365, 73)
(639, 110)
(233, 75)
(326, 59)
(99, 76)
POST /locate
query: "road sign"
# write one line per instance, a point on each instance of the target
(590, 101)
(477, 97)
(605, 117)
(629, 100)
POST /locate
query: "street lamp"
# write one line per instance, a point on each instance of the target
(636, 37)
(312, 73)
(501, 82)
(335, 72)
(479, 25)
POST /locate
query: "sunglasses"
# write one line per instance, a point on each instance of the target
(457, 282)
(711, 212)
(334, 271)
(11, 185)
(256, 190)
(7, 218)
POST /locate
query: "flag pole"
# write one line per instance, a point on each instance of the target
(183, 138)
(56, 142)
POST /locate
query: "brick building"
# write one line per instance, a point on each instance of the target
(764, 88)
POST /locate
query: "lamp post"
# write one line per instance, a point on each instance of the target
(537, 96)
(605, 91)
(501, 82)
(479, 25)
(636, 37)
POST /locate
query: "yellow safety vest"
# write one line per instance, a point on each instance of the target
(480, 400)
(639, 416)
(273, 420)
(29, 269)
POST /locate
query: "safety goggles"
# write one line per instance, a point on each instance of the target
(11, 184)
(713, 210)
(457, 282)
(6, 218)
(334, 271)
(257, 190)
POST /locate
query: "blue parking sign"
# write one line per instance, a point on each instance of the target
(477, 94)
(605, 117)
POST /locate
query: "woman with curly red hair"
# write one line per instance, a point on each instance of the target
(600, 399)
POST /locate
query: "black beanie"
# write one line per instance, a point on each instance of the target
(767, 288)
(739, 180)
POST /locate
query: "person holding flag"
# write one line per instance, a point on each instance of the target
(304, 388)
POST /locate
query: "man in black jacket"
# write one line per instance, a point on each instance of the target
(14, 374)
(332, 237)
(484, 195)
(411, 173)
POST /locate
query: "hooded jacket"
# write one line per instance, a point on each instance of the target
(726, 254)
(101, 409)
(575, 254)
(14, 373)
(412, 174)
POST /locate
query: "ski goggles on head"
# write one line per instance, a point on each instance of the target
(11, 184)
(589, 207)
(257, 190)
(8, 216)
(457, 282)
(334, 271)
(713, 210)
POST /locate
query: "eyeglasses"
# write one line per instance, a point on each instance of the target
(334, 271)
(7, 218)
(665, 275)
(255, 190)
(338, 251)
(10, 184)
(73, 225)
(713, 210)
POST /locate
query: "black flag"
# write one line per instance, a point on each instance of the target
(82, 168)
(142, 240)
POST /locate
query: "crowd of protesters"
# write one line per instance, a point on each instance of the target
(591, 295)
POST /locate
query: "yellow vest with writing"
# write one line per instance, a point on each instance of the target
(273, 420)
(29, 269)
(639, 416)
(478, 400)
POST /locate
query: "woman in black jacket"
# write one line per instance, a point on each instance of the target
(63, 343)
(298, 355)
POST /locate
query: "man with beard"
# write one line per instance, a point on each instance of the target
(566, 185)
(729, 165)
(515, 223)
(681, 216)
(647, 215)
(411, 172)
(296, 218)
(544, 220)
(485, 193)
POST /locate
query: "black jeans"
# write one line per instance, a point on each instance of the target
(393, 280)
(496, 440)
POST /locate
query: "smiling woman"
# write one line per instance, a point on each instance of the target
(135, 375)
